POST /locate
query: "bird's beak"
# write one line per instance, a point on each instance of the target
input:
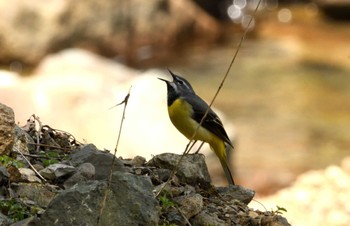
(169, 82)
(172, 74)
(164, 80)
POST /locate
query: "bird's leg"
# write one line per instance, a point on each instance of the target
(193, 143)
(199, 148)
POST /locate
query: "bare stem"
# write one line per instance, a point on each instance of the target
(31, 166)
(103, 203)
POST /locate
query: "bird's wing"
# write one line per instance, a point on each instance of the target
(211, 122)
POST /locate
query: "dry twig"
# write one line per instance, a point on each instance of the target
(103, 203)
(31, 166)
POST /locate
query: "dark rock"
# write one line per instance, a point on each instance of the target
(74, 179)
(236, 192)
(192, 169)
(85, 172)
(129, 201)
(160, 175)
(78, 205)
(132, 203)
(173, 217)
(102, 161)
(7, 129)
(57, 170)
(4, 175)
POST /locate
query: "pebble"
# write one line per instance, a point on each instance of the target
(29, 175)
(57, 170)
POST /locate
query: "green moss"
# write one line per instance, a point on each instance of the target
(14, 209)
(8, 161)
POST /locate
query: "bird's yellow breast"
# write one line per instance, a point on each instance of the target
(180, 113)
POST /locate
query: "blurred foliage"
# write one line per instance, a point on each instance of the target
(8, 161)
(166, 202)
(52, 158)
(280, 210)
(14, 209)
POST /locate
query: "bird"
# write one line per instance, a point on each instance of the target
(186, 110)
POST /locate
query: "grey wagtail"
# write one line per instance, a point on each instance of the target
(186, 111)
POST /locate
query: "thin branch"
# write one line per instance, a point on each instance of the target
(199, 148)
(34, 156)
(103, 203)
(50, 146)
(74, 141)
(31, 166)
(183, 216)
(39, 131)
(228, 69)
(260, 204)
(125, 102)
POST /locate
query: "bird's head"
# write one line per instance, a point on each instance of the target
(178, 86)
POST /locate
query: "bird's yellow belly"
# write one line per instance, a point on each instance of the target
(180, 113)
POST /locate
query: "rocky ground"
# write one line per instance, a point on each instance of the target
(49, 177)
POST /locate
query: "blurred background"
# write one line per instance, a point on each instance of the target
(285, 102)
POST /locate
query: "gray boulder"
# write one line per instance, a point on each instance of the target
(192, 169)
(129, 201)
(132, 201)
(236, 192)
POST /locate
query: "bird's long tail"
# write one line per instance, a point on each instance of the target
(222, 150)
(227, 171)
